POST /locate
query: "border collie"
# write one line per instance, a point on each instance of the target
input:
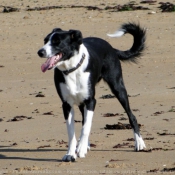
(79, 64)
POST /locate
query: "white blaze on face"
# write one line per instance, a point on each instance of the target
(47, 47)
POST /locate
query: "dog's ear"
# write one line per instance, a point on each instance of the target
(56, 30)
(76, 36)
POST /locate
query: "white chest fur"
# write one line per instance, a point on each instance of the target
(75, 89)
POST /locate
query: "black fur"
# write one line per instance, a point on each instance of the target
(138, 46)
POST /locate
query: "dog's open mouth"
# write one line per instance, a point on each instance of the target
(51, 62)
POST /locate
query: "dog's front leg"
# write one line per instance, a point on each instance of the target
(83, 143)
(88, 115)
(69, 116)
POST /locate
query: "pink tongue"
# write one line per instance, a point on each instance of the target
(48, 64)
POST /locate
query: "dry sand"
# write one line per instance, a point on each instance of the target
(37, 143)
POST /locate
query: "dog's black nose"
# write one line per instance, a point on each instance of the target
(42, 52)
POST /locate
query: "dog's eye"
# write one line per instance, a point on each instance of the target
(55, 41)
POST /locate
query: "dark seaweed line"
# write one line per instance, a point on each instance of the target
(125, 7)
(165, 7)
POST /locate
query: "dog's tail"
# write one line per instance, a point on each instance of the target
(139, 35)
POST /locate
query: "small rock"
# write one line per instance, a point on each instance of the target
(151, 12)
(25, 17)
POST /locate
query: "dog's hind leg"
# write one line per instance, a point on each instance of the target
(69, 117)
(88, 112)
(117, 86)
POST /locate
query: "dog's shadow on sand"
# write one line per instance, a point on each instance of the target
(6, 149)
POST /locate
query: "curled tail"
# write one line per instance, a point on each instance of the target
(139, 35)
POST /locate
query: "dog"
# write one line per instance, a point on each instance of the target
(79, 64)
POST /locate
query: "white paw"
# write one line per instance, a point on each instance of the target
(69, 158)
(82, 148)
(139, 143)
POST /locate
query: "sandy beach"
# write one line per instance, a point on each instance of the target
(32, 127)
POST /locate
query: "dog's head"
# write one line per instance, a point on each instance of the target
(59, 46)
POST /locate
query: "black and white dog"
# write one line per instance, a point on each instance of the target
(79, 64)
